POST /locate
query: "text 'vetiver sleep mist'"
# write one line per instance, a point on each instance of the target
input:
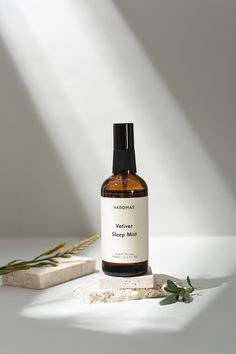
(124, 211)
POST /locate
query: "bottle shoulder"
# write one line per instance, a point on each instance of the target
(130, 183)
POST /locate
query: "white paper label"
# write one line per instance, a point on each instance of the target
(124, 229)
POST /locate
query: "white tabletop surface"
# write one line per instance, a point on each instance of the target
(54, 321)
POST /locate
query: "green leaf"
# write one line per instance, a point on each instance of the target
(169, 290)
(170, 299)
(182, 291)
(177, 293)
(189, 282)
(189, 290)
(13, 262)
(172, 286)
(187, 298)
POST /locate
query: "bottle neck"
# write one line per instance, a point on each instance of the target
(124, 161)
(123, 172)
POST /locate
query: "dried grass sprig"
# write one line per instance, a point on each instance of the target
(48, 258)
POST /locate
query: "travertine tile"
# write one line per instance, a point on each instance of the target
(92, 294)
(41, 278)
(143, 281)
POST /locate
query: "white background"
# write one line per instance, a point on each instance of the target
(70, 69)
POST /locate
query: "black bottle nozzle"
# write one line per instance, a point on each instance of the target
(124, 154)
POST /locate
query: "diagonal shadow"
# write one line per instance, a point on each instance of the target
(211, 283)
(74, 329)
(191, 44)
(37, 195)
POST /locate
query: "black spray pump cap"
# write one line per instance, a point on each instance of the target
(124, 154)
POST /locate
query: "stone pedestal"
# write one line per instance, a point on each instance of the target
(45, 277)
(93, 294)
(143, 281)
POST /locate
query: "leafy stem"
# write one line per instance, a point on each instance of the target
(177, 293)
(48, 258)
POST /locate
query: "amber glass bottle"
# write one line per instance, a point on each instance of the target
(124, 211)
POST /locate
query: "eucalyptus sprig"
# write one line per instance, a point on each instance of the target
(48, 258)
(177, 293)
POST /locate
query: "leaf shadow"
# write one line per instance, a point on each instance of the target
(210, 283)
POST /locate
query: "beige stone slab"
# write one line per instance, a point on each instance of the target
(45, 277)
(143, 281)
(92, 294)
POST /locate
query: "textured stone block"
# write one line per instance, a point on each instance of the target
(45, 277)
(92, 294)
(143, 281)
